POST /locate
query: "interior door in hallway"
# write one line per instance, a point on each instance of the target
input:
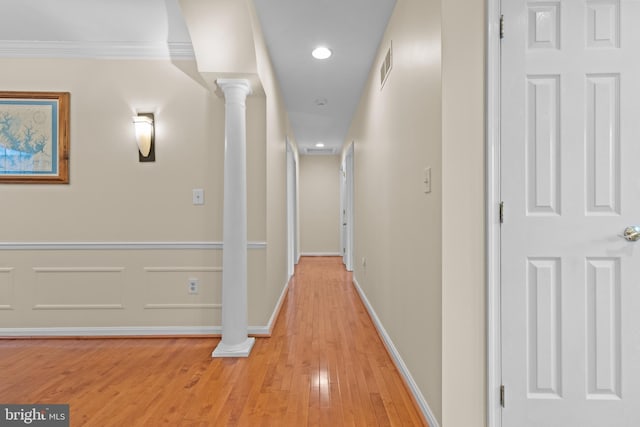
(570, 181)
(346, 207)
(292, 211)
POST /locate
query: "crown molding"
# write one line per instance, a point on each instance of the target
(95, 50)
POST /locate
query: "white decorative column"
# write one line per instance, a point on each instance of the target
(235, 340)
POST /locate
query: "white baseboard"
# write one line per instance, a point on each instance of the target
(266, 330)
(397, 359)
(124, 331)
(320, 254)
(110, 331)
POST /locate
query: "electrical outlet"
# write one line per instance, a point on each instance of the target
(193, 285)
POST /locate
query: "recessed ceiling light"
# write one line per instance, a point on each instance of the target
(319, 145)
(321, 52)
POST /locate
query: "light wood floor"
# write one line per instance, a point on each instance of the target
(323, 366)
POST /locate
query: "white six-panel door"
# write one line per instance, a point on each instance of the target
(570, 181)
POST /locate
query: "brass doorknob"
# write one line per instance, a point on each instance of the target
(632, 233)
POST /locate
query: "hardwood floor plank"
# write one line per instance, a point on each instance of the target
(324, 365)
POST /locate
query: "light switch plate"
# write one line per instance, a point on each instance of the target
(427, 180)
(198, 196)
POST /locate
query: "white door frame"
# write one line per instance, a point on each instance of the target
(343, 211)
(350, 205)
(292, 202)
(492, 209)
(346, 206)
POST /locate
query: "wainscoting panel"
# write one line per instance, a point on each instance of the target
(6, 288)
(111, 288)
(168, 288)
(68, 288)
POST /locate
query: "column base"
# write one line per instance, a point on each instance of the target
(240, 350)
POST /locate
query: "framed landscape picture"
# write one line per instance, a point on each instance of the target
(34, 137)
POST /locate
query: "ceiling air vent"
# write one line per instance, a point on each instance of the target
(385, 68)
(326, 150)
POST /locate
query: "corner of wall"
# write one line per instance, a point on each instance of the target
(464, 290)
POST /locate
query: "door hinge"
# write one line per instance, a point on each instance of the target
(501, 26)
(502, 395)
(501, 212)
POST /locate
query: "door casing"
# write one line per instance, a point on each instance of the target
(492, 197)
(292, 215)
(346, 206)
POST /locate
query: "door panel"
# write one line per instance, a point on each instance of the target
(570, 180)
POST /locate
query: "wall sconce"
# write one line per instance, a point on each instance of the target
(145, 137)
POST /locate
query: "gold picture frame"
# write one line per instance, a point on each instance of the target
(34, 137)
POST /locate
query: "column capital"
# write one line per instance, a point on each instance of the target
(228, 85)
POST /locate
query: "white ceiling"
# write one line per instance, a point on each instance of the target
(92, 20)
(352, 29)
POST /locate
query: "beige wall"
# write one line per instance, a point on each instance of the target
(114, 198)
(111, 196)
(397, 133)
(278, 131)
(429, 113)
(463, 199)
(320, 205)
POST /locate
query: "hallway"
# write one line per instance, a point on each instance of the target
(324, 365)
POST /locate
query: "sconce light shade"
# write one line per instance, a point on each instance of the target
(145, 136)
